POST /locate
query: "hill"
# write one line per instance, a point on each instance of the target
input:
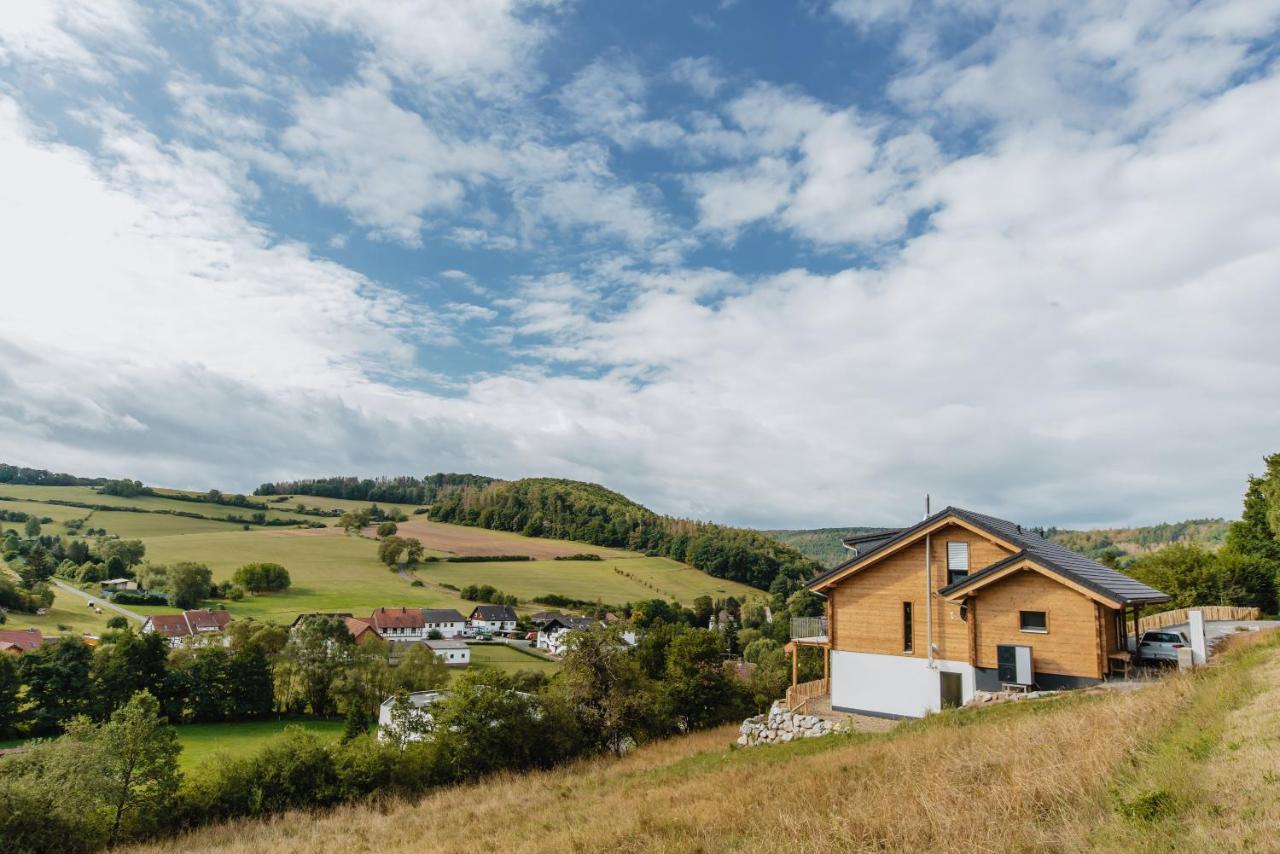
(1112, 544)
(1065, 773)
(329, 569)
(590, 513)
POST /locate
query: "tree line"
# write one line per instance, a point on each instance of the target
(72, 793)
(398, 490)
(1245, 571)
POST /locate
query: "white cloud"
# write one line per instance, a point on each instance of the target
(699, 74)
(358, 149)
(87, 39)
(485, 44)
(608, 97)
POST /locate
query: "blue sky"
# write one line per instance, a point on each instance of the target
(775, 264)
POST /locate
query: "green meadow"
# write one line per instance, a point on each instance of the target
(203, 742)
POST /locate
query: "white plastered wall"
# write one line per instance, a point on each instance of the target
(899, 685)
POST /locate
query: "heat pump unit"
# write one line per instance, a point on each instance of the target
(1014, 665)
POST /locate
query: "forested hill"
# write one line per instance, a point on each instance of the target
(573, 510)
(1111, 545)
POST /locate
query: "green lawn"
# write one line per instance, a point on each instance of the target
(35, 508)
(68, 610)
(510, 659)
(202, 742)
(137, 525)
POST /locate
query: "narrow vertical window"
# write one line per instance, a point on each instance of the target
(907, 628)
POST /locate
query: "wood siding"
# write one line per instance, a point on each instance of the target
(866, 608)
(1069, 648)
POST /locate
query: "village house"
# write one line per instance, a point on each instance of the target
(454, 653)
(114, 585)
(18, 641)
(553, 634)
(493, 618)
(189, 624)
(447, 621)
(361, 630)
(419, 716)
(398, 623)
(920, 618)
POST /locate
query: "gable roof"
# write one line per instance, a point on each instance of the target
(571, 623)
(356, 626)
(442, 615)
(397, 618)
(1057, 558)
(188, 623)
(493, 613)
(20, 640)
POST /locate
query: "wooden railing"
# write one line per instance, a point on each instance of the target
(1182, 615)
(798, 695)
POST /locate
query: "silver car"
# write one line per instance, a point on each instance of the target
(1161, 646)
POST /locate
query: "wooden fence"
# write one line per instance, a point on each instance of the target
(1211, 612)
(798, 695)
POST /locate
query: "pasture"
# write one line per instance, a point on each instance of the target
(55, 512)
(317, 502)
(202, 742)
(509, 658)
(90, 495)
(463, 540)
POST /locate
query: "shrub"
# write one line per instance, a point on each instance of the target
(486, 558)
(138, 597)
(583, 556)
(262, 577)
(417, 582)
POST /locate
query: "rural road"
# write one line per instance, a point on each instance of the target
(62, 585)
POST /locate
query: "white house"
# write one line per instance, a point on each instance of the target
(447, 621)
(554, 633)
(493, 618)
(418, 718)
(111, 585)
(454, 653)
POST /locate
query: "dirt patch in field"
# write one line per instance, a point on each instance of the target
(305, 532)
(461, 540)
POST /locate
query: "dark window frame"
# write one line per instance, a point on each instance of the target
(1042, 629)
(908, 629)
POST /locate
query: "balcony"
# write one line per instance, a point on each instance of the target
(809, 629)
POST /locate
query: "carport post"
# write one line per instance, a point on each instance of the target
(1137, 635)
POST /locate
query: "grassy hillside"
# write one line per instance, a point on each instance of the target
(823, 544)
(1070, 773)
(333, 571)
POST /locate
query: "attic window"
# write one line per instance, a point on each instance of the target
(957, 561)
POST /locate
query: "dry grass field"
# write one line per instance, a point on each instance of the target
(1187, 764)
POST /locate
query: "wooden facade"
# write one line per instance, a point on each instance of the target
(866, 608)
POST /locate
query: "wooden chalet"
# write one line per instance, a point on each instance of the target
(920, 618)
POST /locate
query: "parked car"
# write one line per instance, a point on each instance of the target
(1161, 646)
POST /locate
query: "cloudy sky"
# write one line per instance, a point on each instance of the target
(768, 263)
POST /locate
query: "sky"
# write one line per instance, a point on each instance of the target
(773, 264)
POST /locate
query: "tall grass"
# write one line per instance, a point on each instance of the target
(1033, 776)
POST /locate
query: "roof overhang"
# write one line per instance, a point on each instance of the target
(1022, 562)
(905, 539)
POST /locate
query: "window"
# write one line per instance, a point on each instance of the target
(1033, 621)
(906, 627)
(957, 561)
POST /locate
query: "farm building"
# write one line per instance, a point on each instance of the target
(418, 716)
(398, 623)
(553, 634)
(454, 653)
(189, 624)
(920, 618)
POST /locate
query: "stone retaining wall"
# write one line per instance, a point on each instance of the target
(781, 726)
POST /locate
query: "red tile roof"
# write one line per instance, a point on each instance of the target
(397, 618)
(357, 627)
(189, 623)
(20, 640)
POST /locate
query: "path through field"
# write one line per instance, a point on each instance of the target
(133, 615)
